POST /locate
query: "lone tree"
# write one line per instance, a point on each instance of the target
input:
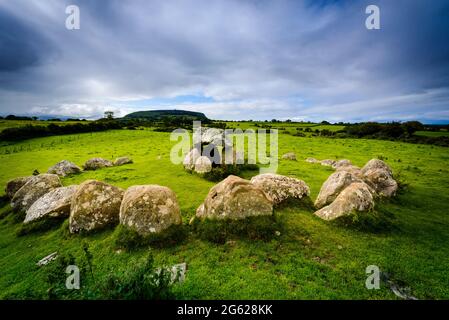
(109, 115)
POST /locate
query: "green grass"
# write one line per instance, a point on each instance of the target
(311, 259)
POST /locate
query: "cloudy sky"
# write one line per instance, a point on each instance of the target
(301, 60)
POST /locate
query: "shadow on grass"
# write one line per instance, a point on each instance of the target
(128, 239)
(378, 221)
(39, 226)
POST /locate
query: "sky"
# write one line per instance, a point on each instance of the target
(232, 60)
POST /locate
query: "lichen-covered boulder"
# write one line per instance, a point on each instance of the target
(376, 164)
(235, 198)
(212, 135)
(97, 163)
(312, 160)
(54, 204)
(203, 165)
(357, 197)
(12, 186)
(351, 169)
(379, 176)
(190, 159)
(64, 168)
(328, 162)
(149, 209)
(280, 188)
(122, 161)
(95, 205)
(332, 187)
(35, 188)
(289, 156)
(341, 163)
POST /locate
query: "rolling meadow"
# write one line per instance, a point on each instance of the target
(310, 259)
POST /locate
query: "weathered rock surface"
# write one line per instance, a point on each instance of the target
(190, 159)
(122, 161)
(64, 168)
(342, 163)
(332, 187)
(95, 205)
(280, 188)
(97, 163)
(14, 185)
(328, 162)
(35, 188)
(312, 160)
(356, 197)
(235, 198)
(203, 165)
(351, 169)
(289, 156)
(379, 176)
(149, 209)
(54, 204)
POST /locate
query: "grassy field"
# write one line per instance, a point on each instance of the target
(311, 259)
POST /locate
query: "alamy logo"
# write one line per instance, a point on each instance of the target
(73, 280)
(373, 279)
(372, 22)
(73, 22)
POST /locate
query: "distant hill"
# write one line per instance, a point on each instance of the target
(160, 114)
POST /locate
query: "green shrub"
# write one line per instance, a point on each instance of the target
(129, 239)
(255, 228)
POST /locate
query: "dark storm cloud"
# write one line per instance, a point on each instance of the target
(20, 45)
(308, 60)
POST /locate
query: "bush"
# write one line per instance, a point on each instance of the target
(129, 239)
(256, 228)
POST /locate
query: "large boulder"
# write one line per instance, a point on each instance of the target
(379, 176)
(54, 204)
(122, 161)
(190, 159)
(280, 188)
(328, 162)
(289, 156)
(212, 135)
(97, 163)
(95, 205)
(312, 160)
(12, 186)
(35, 188)
(332, 187)
(235, 198)
(357, 197)
(341, 163)
(64, 168)
(149, 209)
(203, 165)
(356, 171)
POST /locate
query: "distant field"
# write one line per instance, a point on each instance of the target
(433, 133)
(20, 123)
(312, 259)
(284, 125)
